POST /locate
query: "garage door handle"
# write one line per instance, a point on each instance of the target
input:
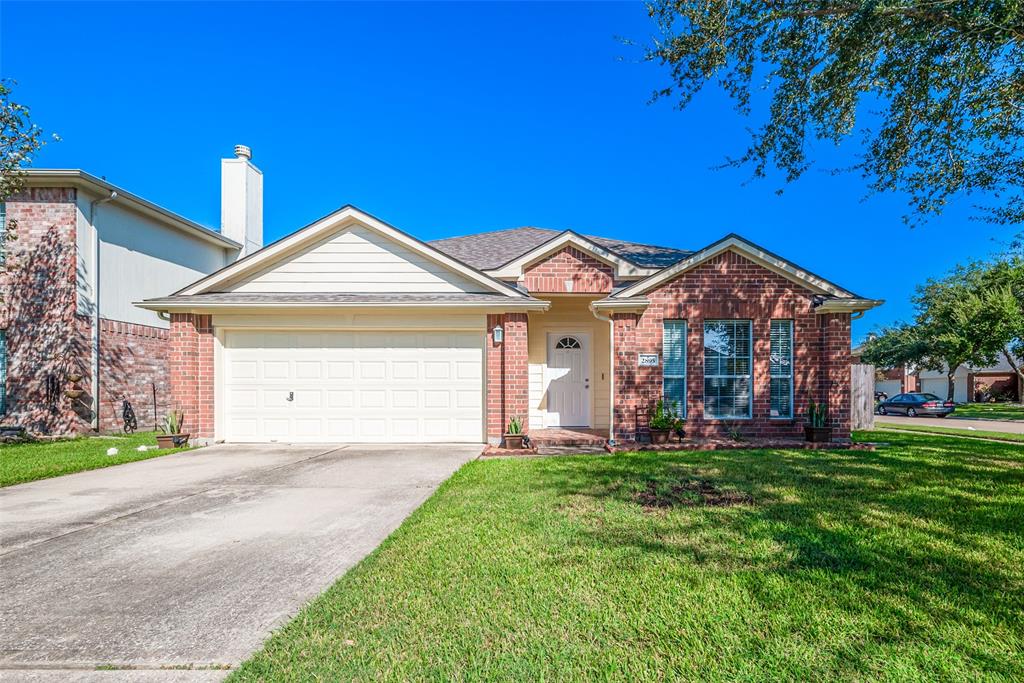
(291, 395)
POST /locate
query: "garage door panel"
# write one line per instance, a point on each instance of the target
(353, 386)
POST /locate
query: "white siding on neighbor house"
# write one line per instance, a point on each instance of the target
(139, 259)
(889, 386)
(357, 259)
(940, 387)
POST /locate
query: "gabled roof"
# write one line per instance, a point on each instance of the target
(624, 268)
(341, 219)
(52, 177)
(491, 250)
(831, 297)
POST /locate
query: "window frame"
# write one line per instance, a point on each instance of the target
(771, 371)
(3, 236)
(734, 322)
(665, 325)
(3, 372)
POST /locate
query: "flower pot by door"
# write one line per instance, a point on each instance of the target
(514, 441)
(818, 434)
(660, 435)
(172, 440)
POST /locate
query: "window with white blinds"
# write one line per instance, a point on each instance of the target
(3, 372)
(727, 369)
(674, 371)
(781, 368)
(3, 232)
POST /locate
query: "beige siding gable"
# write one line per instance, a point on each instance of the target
(357, 259)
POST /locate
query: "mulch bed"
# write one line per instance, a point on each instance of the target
(685, 445)
(731, 444)
(689, 493)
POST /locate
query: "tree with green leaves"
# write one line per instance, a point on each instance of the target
(970, 317)
(20, 139)
(1000, 296)
(934, 89)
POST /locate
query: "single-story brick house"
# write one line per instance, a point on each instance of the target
(350, 329)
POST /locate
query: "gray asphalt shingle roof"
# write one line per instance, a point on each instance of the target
(487, 250)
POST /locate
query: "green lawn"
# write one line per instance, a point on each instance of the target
(952, 431)
(30, 461)
(901, 564)
(991, 411)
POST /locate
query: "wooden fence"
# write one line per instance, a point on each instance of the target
(862, 396)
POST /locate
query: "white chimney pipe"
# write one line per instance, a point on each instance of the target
(241, 201)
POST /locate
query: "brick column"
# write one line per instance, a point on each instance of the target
(191, 371)
(508, 387)
(626, 399)
(835, 371)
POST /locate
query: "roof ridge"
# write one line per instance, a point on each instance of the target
(495, 232)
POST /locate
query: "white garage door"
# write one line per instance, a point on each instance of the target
(940, 387)
(352, 386)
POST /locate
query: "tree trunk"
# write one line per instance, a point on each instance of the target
(1017, 369)
(951, 384)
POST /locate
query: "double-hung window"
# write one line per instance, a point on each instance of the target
(781, 369)
(674, 372)
(727, 369)
(3, 232)
(3, 372)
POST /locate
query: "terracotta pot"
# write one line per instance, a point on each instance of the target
(171, 440)
(73, 393)
(660, 435)
(818, 434)
(74, 378)
(514, 441)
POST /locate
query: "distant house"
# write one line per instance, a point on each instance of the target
(974, 384)
(72, 345)
(997, 381)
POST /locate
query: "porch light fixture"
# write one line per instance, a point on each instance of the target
(499, 334)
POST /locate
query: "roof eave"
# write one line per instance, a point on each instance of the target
(631, 305)
(163, 306)
(43, 177)
(847, 305)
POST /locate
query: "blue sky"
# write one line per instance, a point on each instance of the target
(444, 119)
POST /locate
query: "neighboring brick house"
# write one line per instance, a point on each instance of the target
(352, 330)
(84, 251)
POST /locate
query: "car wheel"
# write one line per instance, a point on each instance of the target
(911, 412)
(881, 410)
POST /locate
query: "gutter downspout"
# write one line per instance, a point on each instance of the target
(95, 345)
(611, 374)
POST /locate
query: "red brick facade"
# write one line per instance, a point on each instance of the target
(49, 344)
(508, 391)
(583, 273)
(730, 286)
(192, 372)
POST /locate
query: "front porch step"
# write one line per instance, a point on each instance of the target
(554, 437)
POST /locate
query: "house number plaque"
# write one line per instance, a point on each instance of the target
(647, 360)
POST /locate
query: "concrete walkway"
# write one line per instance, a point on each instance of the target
(193, 558)
(1007, 426)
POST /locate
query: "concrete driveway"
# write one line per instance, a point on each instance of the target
(193, 558)
(1008, 426)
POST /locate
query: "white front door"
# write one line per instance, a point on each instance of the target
(360, 386)
(568, 380)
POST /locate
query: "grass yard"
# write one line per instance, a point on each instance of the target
(991, 411)
(902, 564)
(952, 431)
(24, 462)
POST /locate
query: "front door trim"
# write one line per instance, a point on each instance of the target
(552, 417)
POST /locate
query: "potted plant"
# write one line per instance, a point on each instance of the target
(817, 430)
(171, 428)
(664, 419)
(514, 434)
